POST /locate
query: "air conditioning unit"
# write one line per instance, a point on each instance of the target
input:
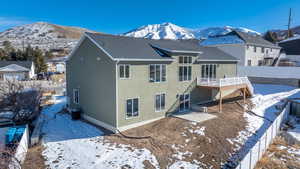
(203, 109)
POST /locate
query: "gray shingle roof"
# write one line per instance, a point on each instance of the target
(120, 47)
(213, 53)
(26, 64)
(253, 39)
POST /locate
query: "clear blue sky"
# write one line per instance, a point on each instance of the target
(118, 16)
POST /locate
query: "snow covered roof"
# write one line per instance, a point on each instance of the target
(238, 37)
(14, 68)
(129, 48)
(230, 39)
(25, 64)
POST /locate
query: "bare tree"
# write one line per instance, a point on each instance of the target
(8, 160)
(20, 99)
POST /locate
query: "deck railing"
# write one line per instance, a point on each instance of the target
(222, 82)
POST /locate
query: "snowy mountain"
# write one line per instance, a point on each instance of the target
(43, 35)
(172, 31)
(282, 34)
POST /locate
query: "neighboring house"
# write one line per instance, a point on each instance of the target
(251, 50)
(124, 82)
(57, 65)
(18, 70)
(291, 48)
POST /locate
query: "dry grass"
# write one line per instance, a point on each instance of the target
(34, 158)
(277, 158)
(211, 149)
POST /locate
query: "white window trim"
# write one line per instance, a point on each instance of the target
(124, 71)
(160, 110)
(132, 117)
(184, 101)
(185, 65)
(160, 65)
(74, 100)
(183, 60)
(209, 66)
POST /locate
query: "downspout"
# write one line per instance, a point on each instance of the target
(117, 95)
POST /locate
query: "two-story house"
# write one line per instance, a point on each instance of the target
(250, 49)
(123, 82)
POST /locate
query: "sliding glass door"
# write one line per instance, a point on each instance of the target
(184, 102)
(209, 71)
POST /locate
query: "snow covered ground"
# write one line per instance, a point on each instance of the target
(75, 144)
(265, 99)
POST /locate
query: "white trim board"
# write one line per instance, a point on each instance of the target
(114, 129)
(99, 123)
(138, 124)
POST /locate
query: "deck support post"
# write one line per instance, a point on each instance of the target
(220, 101)
(244, 95)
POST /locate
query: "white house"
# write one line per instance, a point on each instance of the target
(17, 70)
(250, 49)
(57, 65)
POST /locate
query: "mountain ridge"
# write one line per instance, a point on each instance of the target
(168, 30)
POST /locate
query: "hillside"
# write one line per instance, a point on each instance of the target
(43, 35)
(172, 31)
(61, 39)
(281, 34)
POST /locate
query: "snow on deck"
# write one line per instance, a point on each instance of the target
(75, 144)
(265, 98)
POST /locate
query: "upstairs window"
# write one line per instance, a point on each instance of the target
(185, 68)
(254, 48)
(124, 71)
(157, 73)
(249, 63)
(262, 50)
(209, 71)
(185, 59)
(185, 73)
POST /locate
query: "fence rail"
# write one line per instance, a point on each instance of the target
(222, 82)
(256, 152)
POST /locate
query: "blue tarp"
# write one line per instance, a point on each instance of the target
(14, 134)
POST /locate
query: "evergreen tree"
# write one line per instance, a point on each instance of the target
(49, 55)
(3, 55)
(271, 37)
(39, 60)
(290, 34)
(28, 53)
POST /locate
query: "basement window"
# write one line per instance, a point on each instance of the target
(132, 107)
(160, 102)
(76, 96)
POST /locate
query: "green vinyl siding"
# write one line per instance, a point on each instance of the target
(93, 73)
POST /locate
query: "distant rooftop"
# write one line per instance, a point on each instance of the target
(238, 37)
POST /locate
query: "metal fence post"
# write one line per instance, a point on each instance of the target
(250, 159)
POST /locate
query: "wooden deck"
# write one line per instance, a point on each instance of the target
(236, 83)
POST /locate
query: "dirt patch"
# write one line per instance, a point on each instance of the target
(205, 144)
(34, 158)
(280, 155)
